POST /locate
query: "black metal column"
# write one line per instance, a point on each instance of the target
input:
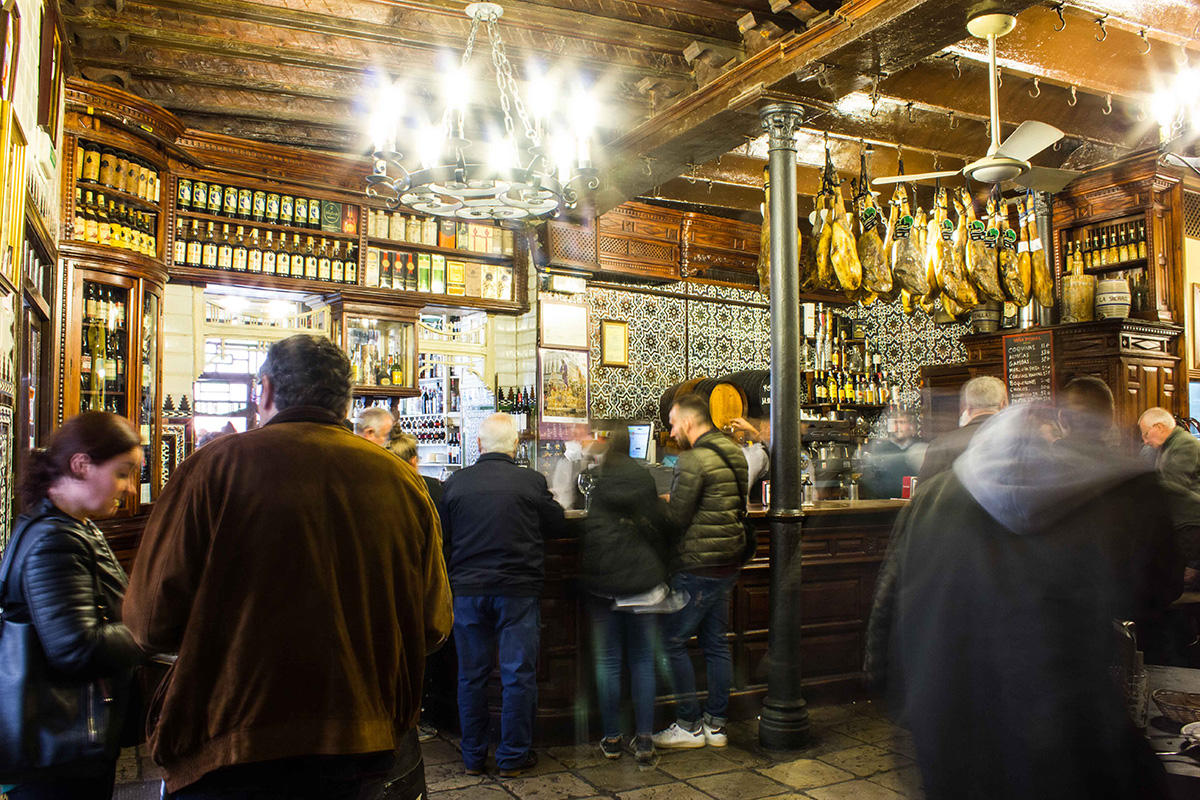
(784, 721)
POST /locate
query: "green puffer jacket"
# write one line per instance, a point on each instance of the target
(704, 503)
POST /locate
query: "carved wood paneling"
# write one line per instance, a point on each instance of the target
(724, 249)
(640, 241)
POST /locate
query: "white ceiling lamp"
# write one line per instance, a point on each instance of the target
(521, 174)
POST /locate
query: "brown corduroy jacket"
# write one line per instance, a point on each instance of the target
(297, 571)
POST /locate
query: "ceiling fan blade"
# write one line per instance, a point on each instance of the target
(1045, 179)
(921, 176)
(1031, 138)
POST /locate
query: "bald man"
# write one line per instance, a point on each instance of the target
(1178, 465)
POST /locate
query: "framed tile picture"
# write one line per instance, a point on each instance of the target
(614, 343)
(563, 385)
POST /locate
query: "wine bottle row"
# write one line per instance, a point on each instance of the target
(470, 237)
(111, 168)
(436, 274)
(272, 208)
(1114, 244)
(232, 248)
(107, 222)
(840, 387)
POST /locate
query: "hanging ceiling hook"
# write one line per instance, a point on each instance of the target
(1103, 31)
(999, 75)
(1037, 86)
(1145, 41)
(1058, 9)
(875, 97)
(953, 124)
(1073, 99)
(1107, 105)
(710, 185)
(646, 164)
(910, 111)
(823, 77)
(1057, 146)
(692, 177)
(957, 67)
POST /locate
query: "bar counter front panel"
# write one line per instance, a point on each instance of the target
(843, 544)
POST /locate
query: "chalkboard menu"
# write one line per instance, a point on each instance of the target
(1029, 366)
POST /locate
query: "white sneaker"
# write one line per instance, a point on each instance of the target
(714, 737)
(677, 738)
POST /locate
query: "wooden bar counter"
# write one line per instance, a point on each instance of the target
(843, 545)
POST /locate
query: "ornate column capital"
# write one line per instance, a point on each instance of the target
(781, 121)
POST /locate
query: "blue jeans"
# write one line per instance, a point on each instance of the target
(705, 616)
(615, 633)
(480, 623)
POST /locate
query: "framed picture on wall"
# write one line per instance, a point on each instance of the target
(614, 343)
(12, 48)
(563, 385)
(563, 325)
(50, 77)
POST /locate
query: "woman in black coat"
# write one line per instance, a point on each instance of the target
(624, 555)
(66, 582)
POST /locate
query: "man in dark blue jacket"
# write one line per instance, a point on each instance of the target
(495, 517)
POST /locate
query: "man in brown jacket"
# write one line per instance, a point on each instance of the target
(296, 569)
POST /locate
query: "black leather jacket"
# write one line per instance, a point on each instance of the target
(51, 584)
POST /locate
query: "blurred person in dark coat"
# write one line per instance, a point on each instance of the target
(888, 461)
(992, 627)
(978, 400)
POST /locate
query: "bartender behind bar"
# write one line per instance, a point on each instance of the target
(889, 461)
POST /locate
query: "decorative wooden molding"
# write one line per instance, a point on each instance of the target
(91, 97)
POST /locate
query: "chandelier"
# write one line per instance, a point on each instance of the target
(516, 182)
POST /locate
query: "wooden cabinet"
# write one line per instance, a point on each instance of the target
(381, 342)
(1136, 358)
(719, 250)
(640, 241)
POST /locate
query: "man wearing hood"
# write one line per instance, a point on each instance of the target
(992, 628)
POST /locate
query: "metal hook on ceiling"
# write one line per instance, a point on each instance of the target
(999, 75)
(692, 177)
(953, 125)
(1057, 145)
(710, 185)
(909, 105)
(646, 162)
(875, 97)
(1073, 99)
(1037, 85)
(822, 76)
(1107, 105)
(1103, 30)
(1145, 41)
(1058, 9)
(957, 67)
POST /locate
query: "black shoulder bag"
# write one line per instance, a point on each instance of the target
(750, 547)
(48, 723)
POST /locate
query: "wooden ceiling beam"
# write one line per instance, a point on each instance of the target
(864, 38)
(1073, 57)
(1169, 22)
(294, 133)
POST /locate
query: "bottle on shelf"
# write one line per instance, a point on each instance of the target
(310, 260)
(269, 254)
(254, 252)
(241, 252)
(337, 264)
(79, 221)
(200, 196)
(258, 206)
(224, 249)
(351, 264)
(183, 194)
(272, 212)
(324, 262)
(283, 258)
(300, 212)
(1141, 240)
(107, 162)
(194, 246)
(91, 163)
(245, 203)
(286, 207)
(298, 265)
(216, 194)
(208, 257)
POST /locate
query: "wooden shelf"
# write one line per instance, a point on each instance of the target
(1120, 266)
(869, 407)
(259, 280)
(464, 255)
(265, 226)
(121, 197)
(385, 391)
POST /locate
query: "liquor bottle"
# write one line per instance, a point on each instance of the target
(324, 262)
(1112, 246)
(200, 196)
(229, 204)
(337, 264)
(272, 208)
(121, 172)
(1141, 240)
(268, 254)
(412, 229)
(286, 205)
(314, 213)
(146, 236)
(91, 222)
(300, 212)
(283, 259)
(1123, 248)
(258, 206)
(79, 226)
(351, 264)
(208, 257)
(225, 249)
(240, 251)
(310, 260)
(216, 193)
(298, 265)
(118, 226)
(834, 393)
(398, 372)
(183, 194)
(254, 256)
(91, 163)
(245, 205)
(103, 223)
(95, 347)
(194, 246)
(107, 160)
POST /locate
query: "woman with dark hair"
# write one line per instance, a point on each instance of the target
(624, 565)
(59, 575)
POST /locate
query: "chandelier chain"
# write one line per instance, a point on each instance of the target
(508, 84)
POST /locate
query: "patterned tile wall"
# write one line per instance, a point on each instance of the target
(696, 332)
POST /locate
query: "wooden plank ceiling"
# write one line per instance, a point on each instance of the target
(678, 80)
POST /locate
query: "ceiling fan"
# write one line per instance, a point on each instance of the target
(1007, 160)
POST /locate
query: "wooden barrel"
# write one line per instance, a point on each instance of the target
(668, 399)
(756, 386)
(726, 401)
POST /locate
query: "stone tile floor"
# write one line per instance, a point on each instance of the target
(855, 754)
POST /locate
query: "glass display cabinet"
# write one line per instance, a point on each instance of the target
(381, 342)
